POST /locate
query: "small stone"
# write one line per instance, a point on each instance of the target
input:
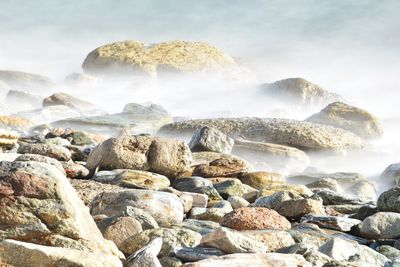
(211, 139)
(331, 222)
(221, 168)
(389, 200)
(238, 202)
(196, 253)
(75, 170)
(297, 208)
(232, 187)
(146, 256)
(259, 180)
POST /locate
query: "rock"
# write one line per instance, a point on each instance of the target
(278, 156)
(310, 254)
(23, 254)
(333, 198)
(196, 253)
(392, 173)
(49, 114)
(52, 151)
(80, 79)
(190, 183)
(216, 213)
(303, 135)
(20, 100)
(341, 249)
(75, 170)
(389, 200)
(38, 204)
(8, 138)
(166, 208)
(18, 123)
(259, 180)
(325, 184)
(80, 138)
(256, 260)
(118, 229)
(221, 168)
(238, 202)
(169, 157)
(231, 241)
(165, 156)
(293, 188)
(58, 141)
(273, 239)
(25, 81)
(275, 200)
(209, 191)
(254, 218)
(200, 226)
(297, 208)
(170, 262)
(133, 179)
(381, 225)
(389, 252)
(299, 91)
(131, 57)
(353, 119)
(171, 238)
(233, 187)
(365, 211)
(365, 190)
(40, 158)
(146, 256)
(331, 222)
(206, 157)
(210, 139)
(70, 101)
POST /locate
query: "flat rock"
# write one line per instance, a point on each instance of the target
(261, 179)
(22, 254)
(171, 238)
(166, 208)
(221, 168)
(200, 226)
(353, 119)
(196, 253)
(303, 135)
(254, 218)
(73, 102)
(293, 188)
(256, 260)
(297, 208)
(331, 222)
(52, 151)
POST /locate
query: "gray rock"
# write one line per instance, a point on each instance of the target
(238, 202)
(334, 198)
(390, 252)
(20, 100)
(389, 200)
(392, 173)
(26, 81)
(146, 256)
(165, 208)
(298, 134)
(200, 226)
(52, 151)
(211, 139)
(325, 184)
(40, 158)
(381, 225)
(331, 222)
(75, 103)
(353, 119)
(190, 183)
(196, 253)
(232, 241)
(232, 187)
(75, 170)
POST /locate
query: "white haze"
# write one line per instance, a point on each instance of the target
(348, 47)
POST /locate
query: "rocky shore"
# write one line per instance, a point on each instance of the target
(82, 187)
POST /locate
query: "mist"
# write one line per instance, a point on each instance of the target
(347, 47)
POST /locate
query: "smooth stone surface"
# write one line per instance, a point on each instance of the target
(381, 225)
(293, 188)
(297, 208)
(261, 179)
(211, 139)
(190, 183)
(223, 167)
(75, 170)
(166, 208)
(196, 253)
(331, 222)
(52, 151)
(74, 103)
(392, 174)
(146, 256)
(232, 187)
(200, 226)
(389, 200)
(40, 158)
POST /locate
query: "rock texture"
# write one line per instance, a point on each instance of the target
(210, 139)
(353, 119)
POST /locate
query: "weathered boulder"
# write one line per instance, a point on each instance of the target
(231, 241)
(254, 218)
(353, 119)
(146, 256)
(171, 238)
(392, 173)
(381, 225)
(165, 156)
(200, 226)
(166, 208)
(293, 188)
(8, 138)
(40, 158)
(259, 180)
(296, 208)
(300, 134)
(131, 57)
(190, 183)
(133, 179)
(196, 253)
(331, 222)
(74, 103)
(38, 204)
(22, 254)
(211, 139)
(255, 259)
(52, 151)
(24, 80)
(389, 200)
(75, 170)
(299, 91)
(272, 238)
(232, 187)
(237, 202)
(223, 167)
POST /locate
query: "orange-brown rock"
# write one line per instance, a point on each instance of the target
(221, 168)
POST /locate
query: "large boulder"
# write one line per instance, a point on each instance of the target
(389, 200)
(24, 80)
(22, 254)
(300, 134)
(132, 57)
(39, 205)
(210, 139)
(166, 208)
(165, 156)
(299, 91)
(353, 119)
(381, 225)
(392, 174)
